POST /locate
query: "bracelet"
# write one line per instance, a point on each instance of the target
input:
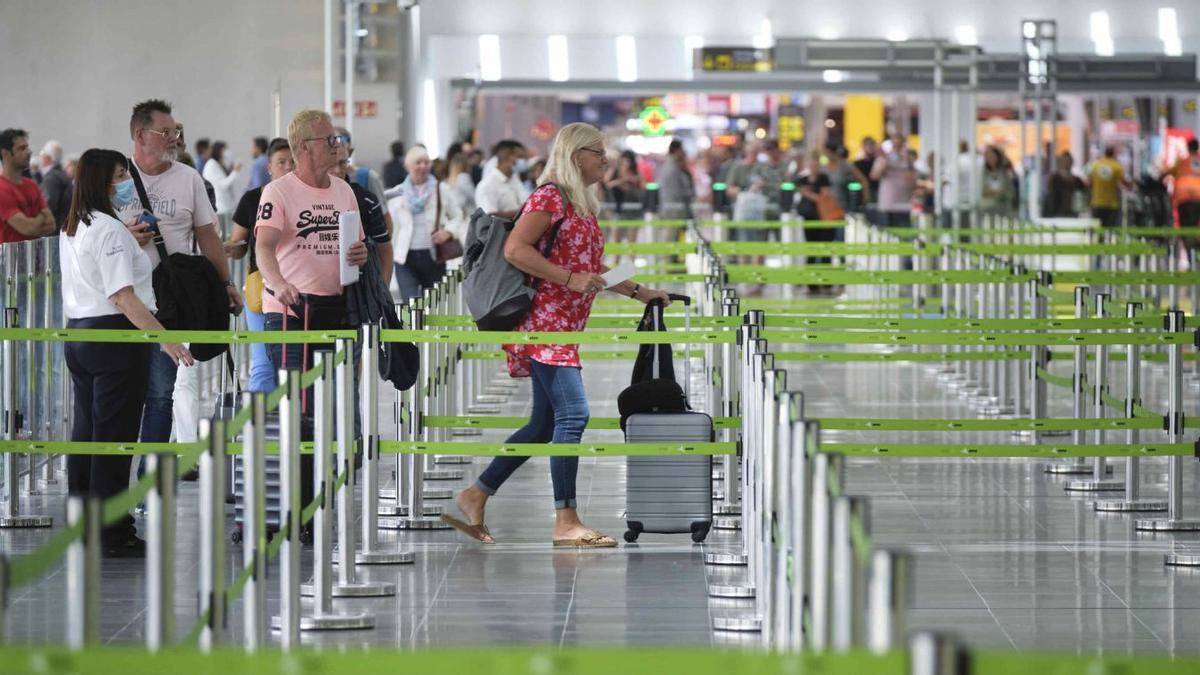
(569, 275)
(230, 284)
(635, 291)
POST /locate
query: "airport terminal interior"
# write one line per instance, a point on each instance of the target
(791, 337)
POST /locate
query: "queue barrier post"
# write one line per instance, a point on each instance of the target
(1132, 501)
(11, 516)
(368, 398)
(1175, 521)
(160, 553)
(827, 470)
(287, 623)
(888, 592)
(1100, 467)
(413, 488)
(1078, 403)
(848, 575)
(83, 572)
(320, 588)
(348, 585)
(254, 526)
(935, 654)
(211, 585)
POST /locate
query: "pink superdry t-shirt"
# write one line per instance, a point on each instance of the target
(307, 220)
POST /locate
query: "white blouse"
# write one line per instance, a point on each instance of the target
(101, 259)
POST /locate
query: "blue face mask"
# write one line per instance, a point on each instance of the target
(521, 166)
(125, 193)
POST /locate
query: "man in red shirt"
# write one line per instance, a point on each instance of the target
(23, 211)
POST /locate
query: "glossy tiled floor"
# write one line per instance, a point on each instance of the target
(1003, 556)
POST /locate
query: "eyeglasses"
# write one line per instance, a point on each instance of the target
(332, 140)
(599, 153)
(172, 134)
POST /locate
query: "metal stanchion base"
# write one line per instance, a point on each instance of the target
(385, 557)
(718, 474)
(330, 622)
(445, 474)
(466, 432)
(21, 522)
(360, 589)
(392, 511)
(453, 459)
(738, 624)
(505, 383)
(498, 392)
(1167, 525)
(725, 559)
(1182, 560)
(727, 523)
(995, 411)
(1070, 468)
(727, 509)
(718, 494)
(1128, 506)
(428, 493)
(1094, 486)
(483, 410)
(418, 524)
(730, 591)
(485, 399)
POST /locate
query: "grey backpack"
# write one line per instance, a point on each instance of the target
(498, 294)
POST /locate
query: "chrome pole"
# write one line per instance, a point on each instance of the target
(888, 593)
(83, 573)
(288, 620)
(160, 554)
(254, 527)
(212, 532)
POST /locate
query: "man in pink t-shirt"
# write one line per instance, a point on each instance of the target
(297, 236)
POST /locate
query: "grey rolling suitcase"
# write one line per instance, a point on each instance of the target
(668, 495)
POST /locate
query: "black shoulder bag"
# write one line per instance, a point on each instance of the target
(189, 293)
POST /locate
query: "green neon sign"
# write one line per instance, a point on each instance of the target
(654, 120)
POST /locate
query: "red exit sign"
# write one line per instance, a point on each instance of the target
(361, 108)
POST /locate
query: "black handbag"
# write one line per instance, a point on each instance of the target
(189, 293)
(368, 300)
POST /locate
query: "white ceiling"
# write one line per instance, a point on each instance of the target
(997, 23)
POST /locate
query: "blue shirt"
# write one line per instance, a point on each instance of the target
(258, 173)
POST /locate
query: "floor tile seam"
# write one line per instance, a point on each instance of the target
(433, 599)
(136, 617)
(562, 639)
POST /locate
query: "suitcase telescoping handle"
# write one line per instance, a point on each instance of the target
(660, 324)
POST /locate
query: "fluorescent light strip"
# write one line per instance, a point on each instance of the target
(626, 58)
(965, 35)
(1168, 31)
(690, 44)
(489, 57)
(833, 76)
(560, 67)
(897, 35)
(1102, 34)
(765, 38)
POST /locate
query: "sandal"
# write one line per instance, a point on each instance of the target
(476, 532)
(592, 539)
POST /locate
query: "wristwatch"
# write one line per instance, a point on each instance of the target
(635, 291)
(230, 284)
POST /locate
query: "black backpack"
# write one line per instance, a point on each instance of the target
(653, 388)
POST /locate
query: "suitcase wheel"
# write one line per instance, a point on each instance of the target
(631, 536)
(700, 531)
(235, 535)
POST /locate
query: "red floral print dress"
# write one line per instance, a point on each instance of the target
(578, 248)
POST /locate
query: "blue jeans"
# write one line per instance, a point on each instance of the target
(419, 271)
(560, 414)
(262, 374)
(156, 420)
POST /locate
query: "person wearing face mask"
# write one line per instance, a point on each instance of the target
(106, 283)
(500, 193)
(425, 214)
